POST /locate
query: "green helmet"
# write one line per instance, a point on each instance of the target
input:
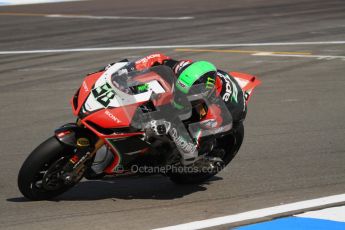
(200, 72)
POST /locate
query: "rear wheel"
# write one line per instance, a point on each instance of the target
(40, 175)
(231, 143)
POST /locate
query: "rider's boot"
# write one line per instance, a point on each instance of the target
(212, 161)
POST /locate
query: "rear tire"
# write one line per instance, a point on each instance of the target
(51, 152)
(231, 144)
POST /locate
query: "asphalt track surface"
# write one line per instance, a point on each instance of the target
(294, 143)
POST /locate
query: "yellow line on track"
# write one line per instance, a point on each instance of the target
(240, 51)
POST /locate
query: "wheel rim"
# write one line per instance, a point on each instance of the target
(49, 176)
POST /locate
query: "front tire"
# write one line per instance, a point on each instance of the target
(33, 176)
(231, 143)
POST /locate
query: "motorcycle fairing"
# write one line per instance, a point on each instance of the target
(92, 81)
(118, 110)
(126, 151)
(78, 100)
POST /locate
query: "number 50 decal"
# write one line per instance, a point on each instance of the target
(103, 94)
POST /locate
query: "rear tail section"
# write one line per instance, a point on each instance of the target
(247, 82)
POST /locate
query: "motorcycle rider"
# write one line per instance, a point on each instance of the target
(218, 85)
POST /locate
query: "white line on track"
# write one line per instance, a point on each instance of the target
(80, 16)
(170, 47)
(116, 17)
(260, 213)
(321, 57)
(334, 214)
(25, 2)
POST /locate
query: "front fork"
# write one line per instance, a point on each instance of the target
(77, 137)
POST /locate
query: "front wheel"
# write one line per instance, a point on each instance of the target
(231, 143)
(40, 175)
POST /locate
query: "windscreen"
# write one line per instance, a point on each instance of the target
(125, 81)
(137, 82)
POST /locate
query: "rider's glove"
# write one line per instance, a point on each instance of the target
(158, 127)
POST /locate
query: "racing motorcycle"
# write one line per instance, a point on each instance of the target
(104, 140)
